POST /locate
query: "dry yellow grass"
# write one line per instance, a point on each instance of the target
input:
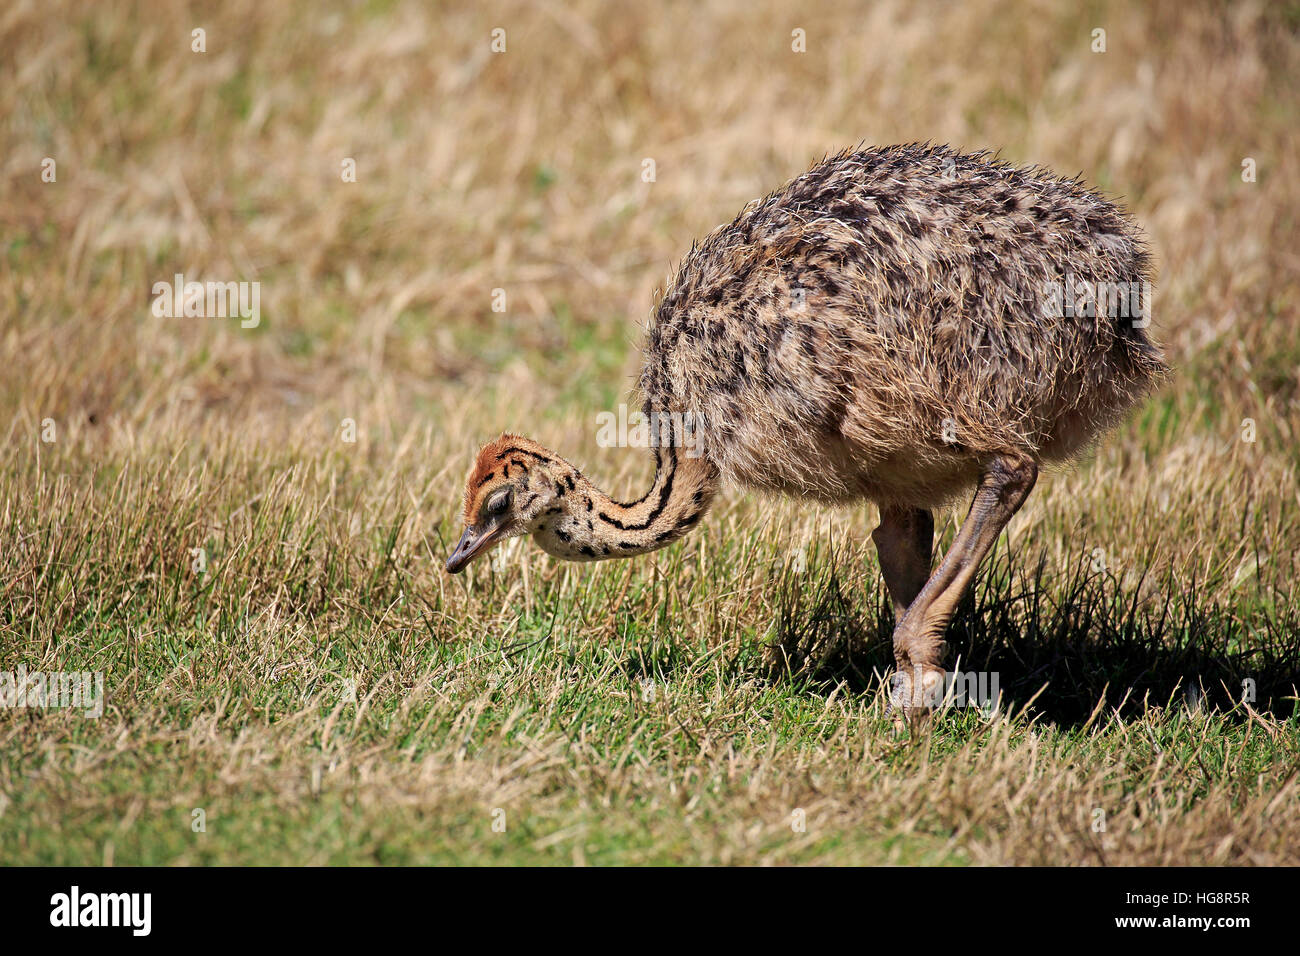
(522, 171)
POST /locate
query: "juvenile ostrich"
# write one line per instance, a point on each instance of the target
(898, 325)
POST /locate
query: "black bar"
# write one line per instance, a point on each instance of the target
(579, 907)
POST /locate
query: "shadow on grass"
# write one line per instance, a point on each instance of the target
(1075, 632)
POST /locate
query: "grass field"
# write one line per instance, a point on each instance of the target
(181, 510)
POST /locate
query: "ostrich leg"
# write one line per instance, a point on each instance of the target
(918, 638)
(904, 541)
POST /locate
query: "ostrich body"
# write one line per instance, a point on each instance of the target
(888, 326)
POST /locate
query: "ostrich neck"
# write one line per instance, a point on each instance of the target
(586, 524)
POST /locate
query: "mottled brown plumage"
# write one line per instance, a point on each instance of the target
(921, 274)
(887, 326)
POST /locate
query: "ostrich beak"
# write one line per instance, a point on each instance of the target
(470, 546)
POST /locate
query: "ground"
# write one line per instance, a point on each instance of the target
(291, 677)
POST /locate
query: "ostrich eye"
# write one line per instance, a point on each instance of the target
(497, 505)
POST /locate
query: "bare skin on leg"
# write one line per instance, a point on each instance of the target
(918, 637)
(904, 542)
